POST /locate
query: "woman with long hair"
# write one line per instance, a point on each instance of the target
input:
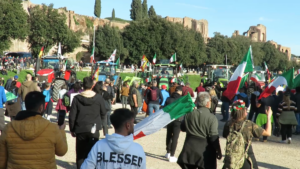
(214, 100)
(248, 129)
(100, 88)
(124, 94)
(287, 118)
(76, 89)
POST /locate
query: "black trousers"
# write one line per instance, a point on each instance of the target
(286, 131)
(251, 113)
(84, 144)
(173, 131)
(135, 111)
(104, 126)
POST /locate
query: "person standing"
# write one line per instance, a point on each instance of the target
(173, 87)
(287, 119)
(253, 109)
(165, 94)
(18, 84)
(225, 108)
(30, 141)
(119, 147)
(63, 99)
(111, 92)
(248, 130)
(124, 94)
(47, 92)
(297, 113)
(13, 106)
(135, 99)
(187, 89)
(214, 101)
(85, 116)
(173, 129)
(2, 101)
(200, 88)
(201, 146)
(26, 87)
(153, 98)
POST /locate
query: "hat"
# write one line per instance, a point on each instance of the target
(164, 87)
(16, 77)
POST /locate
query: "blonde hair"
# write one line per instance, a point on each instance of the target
(212, 92)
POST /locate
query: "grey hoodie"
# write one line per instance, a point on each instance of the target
(116, 151)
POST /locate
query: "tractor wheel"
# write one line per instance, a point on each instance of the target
(57, 86)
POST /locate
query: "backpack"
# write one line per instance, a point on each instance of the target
(66, 100)
(14, 100)
(235, 152)
(153, 94)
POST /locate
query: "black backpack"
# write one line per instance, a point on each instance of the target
(10, 102)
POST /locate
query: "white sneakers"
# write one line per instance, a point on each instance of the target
(171, 159)
(48, 117)
(289, 140)
(167, 155)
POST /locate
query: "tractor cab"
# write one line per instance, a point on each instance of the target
(145, 76)
(106, 70)
(218, 73)
(164, 74)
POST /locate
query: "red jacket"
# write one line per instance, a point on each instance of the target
(200, 89)
(186, 90)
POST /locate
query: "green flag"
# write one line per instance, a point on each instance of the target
(289, 77)
(248, 58)
(296, 81)
(118, 63)
(244, 79)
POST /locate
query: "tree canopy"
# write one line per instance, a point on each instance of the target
(136, 11)
(151, 12)
(48, 28)
(13, 21)
(97, 8)
(113, 15)
(145, 9)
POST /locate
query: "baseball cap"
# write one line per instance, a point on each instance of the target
(164, 87)
(16, 77)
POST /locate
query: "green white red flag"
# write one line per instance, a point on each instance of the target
(154, 59)
(286, 78)
(92, 59)
(163, 117)
(173, 58)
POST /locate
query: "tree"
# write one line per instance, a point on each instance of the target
(145, 9)
(151, 12)
(97, 8)
(107, 39)
(113, 15)
(48, 28)
(136, 11)
(13, 21)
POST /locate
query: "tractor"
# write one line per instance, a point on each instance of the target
(165, 74)
(49, 71)
(145, 76)
(217, 73)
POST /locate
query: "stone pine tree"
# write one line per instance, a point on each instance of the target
(113, 15)
(136, 11)
(97, 9)
(145, 9)
(151, 12)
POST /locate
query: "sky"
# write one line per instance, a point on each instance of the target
(225, 16)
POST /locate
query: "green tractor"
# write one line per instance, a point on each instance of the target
(164, 74)
(217, 73)
(145, 76)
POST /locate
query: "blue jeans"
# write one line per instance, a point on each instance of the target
(152, 107)
(298, 120)
(23, 105)
(225, 110)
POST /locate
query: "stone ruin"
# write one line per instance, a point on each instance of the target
(259, 34)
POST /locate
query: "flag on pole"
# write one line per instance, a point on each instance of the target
(59, 50)
(180, 67)
(112, 56)
(267, 70)
(255, 78)
(286, 78)
(296, 81)
(237, 76)
(118, 63)
(162, 117)
(148, 79)
(41, 52)
(244, 79)
(248, 59)
(96, 74)
(154, 59)
(92, 59)
(144, 63)
(173, 58)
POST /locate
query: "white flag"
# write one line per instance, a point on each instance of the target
(112, 56)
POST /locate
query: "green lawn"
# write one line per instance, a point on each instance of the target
(22, 75)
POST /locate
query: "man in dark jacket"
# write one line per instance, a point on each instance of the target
(85, 119)
(153, 103)
(173, 129)
(297, 113)
(110, 91)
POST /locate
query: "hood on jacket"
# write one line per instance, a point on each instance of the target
(29, 125)
(87, 97)
(27, 83)
(175, 95)
(119, 143)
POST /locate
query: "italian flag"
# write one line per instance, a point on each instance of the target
(163, 117)
(267, 70)
(244, 80)
(173, 80)
(173, 58)
(92, 55)
(255, 78)
(180, 67)
(154, 59)
(235, 80)
(148, 79)
(286, 78)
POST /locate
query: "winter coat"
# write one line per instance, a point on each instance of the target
(27, 86)
(87, 109)
(30, 141)
(124, 91)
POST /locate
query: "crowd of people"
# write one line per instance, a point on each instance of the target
(89, 106)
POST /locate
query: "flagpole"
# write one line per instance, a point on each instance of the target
(93, 51)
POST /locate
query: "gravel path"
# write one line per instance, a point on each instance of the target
(271, 155)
